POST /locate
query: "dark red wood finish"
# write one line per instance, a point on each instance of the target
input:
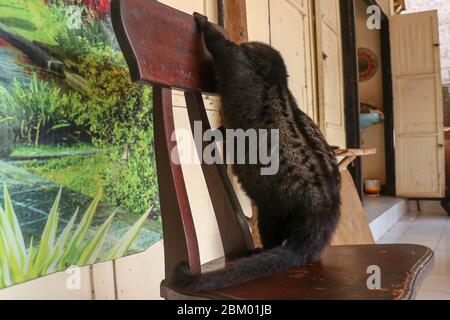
(180, 239)
(341, 274)
(162, 45)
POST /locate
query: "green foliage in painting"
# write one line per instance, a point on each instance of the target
(56, 250)
(132, 183)
(120, 117)
(93, 101)
(40, 109)
(84, 174)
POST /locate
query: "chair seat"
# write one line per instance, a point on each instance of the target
(341, 273)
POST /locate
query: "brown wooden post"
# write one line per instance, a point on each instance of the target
(233, 16)
(351, 87)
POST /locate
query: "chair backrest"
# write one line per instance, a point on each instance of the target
(163, 47)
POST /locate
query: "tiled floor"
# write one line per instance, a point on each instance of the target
(433, 231)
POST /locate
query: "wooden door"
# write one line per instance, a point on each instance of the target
(418, 106)
(290, 33)
(330, 71)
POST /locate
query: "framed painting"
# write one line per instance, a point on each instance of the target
(77, 165)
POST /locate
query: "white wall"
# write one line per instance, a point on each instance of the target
(50, 287)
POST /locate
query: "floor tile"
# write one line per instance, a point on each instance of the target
(432, 295)
(420, 236)
(441, 265)
(437, 283)
(431, 230)
(387, 241)
(430, 244)
(395, 232)
(417, 228)
(400, 227)
(443, 246)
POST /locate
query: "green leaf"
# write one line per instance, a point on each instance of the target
(55, 261)
(52, 254)
(11, 250)
(75, 246)
(93, 247)
(59, 126)
(122, 246)
(14, 225)
(47, 243)
(4, 271)
(29, 268)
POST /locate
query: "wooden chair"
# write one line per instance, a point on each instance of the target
(163, 48)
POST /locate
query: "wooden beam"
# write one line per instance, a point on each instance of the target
(233, 17)
(399, 6)
(355, 152)
(351, 88)
(351, 155)
(388, 104)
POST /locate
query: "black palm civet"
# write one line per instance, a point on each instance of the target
(299, 206)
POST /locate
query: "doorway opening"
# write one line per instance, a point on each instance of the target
(369, 102)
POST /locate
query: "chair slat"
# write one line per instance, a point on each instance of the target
(234, 230)
(180, 240)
